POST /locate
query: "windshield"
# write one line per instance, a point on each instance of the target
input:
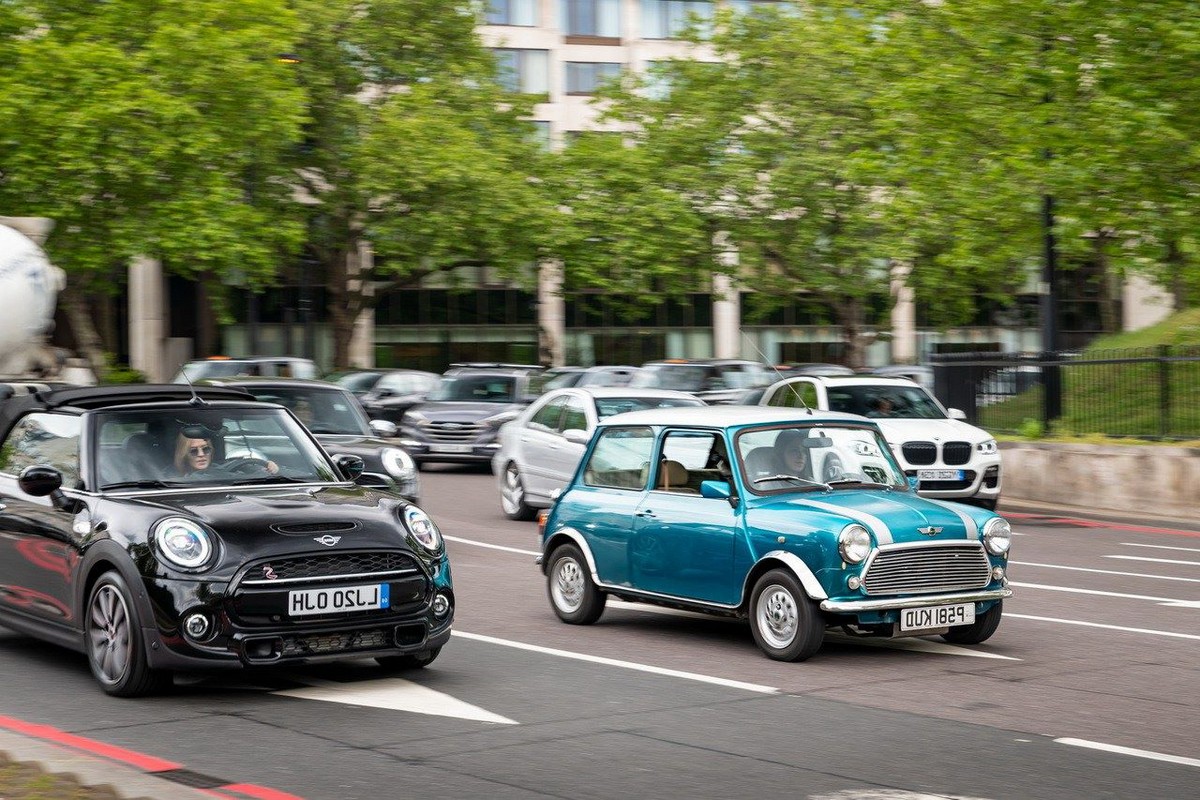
(699, 377)
(803, 457)
(205, 447)
(321, 410)
(199, 370)
(407, 382)
(358, 381)
(476, 388)
(881, 400)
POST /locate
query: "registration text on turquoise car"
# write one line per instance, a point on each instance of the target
(795, 521)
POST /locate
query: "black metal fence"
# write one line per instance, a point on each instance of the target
(1148, 392)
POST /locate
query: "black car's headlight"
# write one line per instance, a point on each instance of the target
(422, 528)
(854, 543)
(997, 536)
(399, 464)
(184, 543)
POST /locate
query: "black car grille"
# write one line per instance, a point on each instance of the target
(329, 565)
(343, 642)
(919, 452)
(956, 453)
(928, 568)
(451, 432)
(316, 527)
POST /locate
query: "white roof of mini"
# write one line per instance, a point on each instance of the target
(725, 416)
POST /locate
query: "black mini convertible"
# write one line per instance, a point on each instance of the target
(161, 529)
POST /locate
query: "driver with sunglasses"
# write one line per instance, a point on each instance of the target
(194, 453)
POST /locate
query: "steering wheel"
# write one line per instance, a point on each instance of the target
(246, 464)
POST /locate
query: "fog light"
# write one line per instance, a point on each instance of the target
(997, 573)
(441, 605)
(197, 626)
(853, 582)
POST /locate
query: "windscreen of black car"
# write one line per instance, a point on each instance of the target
(468, 388)
(881, 400)
(321, 410)
(608, 406)
(152, 448)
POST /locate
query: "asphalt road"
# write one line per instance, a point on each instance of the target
(1088, 690)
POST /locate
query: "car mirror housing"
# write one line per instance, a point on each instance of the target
(40, 480)
(384, 428)
(576, 436)
(914, 483)
(350, 466)
(715, 490)
(956, 413)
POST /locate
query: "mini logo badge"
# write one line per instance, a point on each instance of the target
(269, 573)
(330, 541)
(929, 531)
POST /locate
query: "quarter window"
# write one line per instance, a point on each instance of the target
(620, 459)
(548, 416)
(574, 417)
(800, 394)
(43, 439)
(587, 77)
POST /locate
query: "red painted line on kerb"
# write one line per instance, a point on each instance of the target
(1092, 523)
(112, 752)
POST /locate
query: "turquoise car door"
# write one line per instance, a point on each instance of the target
(683, 546)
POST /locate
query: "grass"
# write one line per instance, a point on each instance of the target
(23, 781)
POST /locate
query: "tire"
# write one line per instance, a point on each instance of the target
(113, 640)
(512, 495)
(411, 661)
(832, 469)
(575, 598)
(979, 631)
(785, 623)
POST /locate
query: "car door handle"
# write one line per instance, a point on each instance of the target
(647, 513)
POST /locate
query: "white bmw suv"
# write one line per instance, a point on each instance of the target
(951, 459)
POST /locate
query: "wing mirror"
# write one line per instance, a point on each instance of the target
(43, 481)
(719, 490)
(956, 413)
(576, 436)
(384, 428)
(351, 466)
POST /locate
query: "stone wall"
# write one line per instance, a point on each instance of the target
(1123, 478)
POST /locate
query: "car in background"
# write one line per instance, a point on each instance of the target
(540, 449)
(645, 519)
(226, 367)
(148, 568)
(914, 372)
(334, 417)
(793, 368)
(469, 366)
(563, 377)
(396, 392)
(460, 419)
(952, 459)
(357, 381)
(713, 380)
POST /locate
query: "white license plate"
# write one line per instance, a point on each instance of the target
(916, 619)
(333, 601)
(450, 448)
(939, 474)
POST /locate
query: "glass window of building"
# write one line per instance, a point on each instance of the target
(592, 18)
(524, 71)
(512, 12)
(586, 77)
(541, 134)
(668, 19)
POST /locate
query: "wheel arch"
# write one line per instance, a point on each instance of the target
(781, 559)
(569, 536)
(107, 556)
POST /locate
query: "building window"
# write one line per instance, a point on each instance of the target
(586, 77)
(667, 19)
(541, 134)
(748, 6)
(524, 71)
(512, 12)
(592, 18)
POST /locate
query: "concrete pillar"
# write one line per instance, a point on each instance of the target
(904, 316)
(727, 317)
(362, 341)
(147, 318)
(552, 314)
(1144, 303)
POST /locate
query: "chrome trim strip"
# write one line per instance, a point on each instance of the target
(327, 578)
(856, 606)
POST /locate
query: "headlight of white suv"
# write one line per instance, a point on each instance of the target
(987, 448)
(398, 464)
(422, 528)
(854, 543)
(183, 542)
(997, 536)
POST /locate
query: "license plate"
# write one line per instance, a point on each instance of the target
(939, 474)
(333, 601)
(915, 619)
(450, 448)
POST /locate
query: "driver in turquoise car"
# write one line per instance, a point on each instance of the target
(195, 454)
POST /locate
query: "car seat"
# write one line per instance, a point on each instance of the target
(673, 477)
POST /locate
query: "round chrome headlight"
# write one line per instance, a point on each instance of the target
(854, 543)
(183, 542)
(997, 536)
(422, 528)
(399, 464)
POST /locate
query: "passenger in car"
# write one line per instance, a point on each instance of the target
(791, 455)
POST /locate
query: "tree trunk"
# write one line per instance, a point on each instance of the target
(74, 303)
(1109, 321)
(850, 316)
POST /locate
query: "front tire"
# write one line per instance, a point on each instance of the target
(979, 631)
(512, 495)
(785, 623)
(113, 639)
(411, 661)
(573, 595)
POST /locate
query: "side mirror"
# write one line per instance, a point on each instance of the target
(43, 481)
(384, 428)
(956, 414)
(351, 466)
(914, 483)
(576, 436)
(715, 490)
(382, 393)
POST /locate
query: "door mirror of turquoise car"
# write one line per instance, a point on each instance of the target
(914, 483)
(716, 490)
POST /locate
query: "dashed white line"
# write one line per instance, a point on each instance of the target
(493, 546)
(1105, 572)
(1073, 590)
(1161, 547)
(1130, 751)
(1158, 560)
(1171, 634)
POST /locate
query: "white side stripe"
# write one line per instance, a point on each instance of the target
(883, 534)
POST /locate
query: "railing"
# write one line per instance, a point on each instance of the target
(1148, 392)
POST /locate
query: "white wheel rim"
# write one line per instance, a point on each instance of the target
(777, 618)
(108, 634)
(567, 585)
(512, 495)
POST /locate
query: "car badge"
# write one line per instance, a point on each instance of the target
(929, 531)
(269, 573)
(327, 540)
(453, 425)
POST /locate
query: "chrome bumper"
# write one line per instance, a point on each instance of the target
(856, 606)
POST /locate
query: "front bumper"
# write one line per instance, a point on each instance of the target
(923, 601)
(981, 481)
(479, 451)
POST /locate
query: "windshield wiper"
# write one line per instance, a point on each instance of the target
(860, 482)
(782, 477)
(142, 484)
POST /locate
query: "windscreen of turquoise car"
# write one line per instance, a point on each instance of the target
(816, 454)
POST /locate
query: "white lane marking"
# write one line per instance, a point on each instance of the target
(1170, 634)
(888, 794)
(1106, 572)
(1158, 560)
(493, 546)
(1161, 547)
(612, 662)
(1130, 751)
(1166, 601)
(396, 694)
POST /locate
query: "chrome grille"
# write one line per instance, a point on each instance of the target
(955, 453)
(461, 432)
(920, 569)
(330, 565)
(919, 452)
